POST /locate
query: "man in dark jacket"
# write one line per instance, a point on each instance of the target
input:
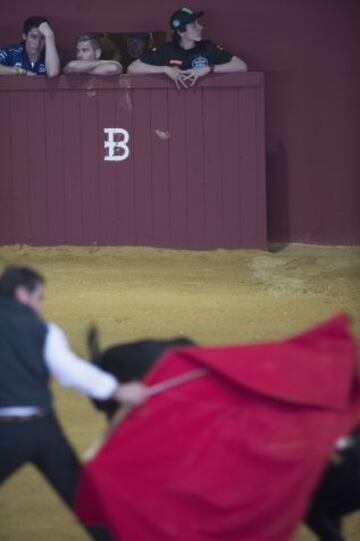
(30, 351)
(187, 57)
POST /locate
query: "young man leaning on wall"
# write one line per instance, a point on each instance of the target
(35, 55)
(187, 57)
(88, 59)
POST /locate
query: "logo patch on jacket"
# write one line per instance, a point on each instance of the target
(200, 62)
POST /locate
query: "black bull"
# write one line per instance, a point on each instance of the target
(337, 494)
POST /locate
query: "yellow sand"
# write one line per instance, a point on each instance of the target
(213, 297)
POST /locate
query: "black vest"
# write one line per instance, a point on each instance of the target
(23, 372)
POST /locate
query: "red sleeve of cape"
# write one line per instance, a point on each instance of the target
(232, 455)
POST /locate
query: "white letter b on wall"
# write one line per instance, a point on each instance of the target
(113, 144)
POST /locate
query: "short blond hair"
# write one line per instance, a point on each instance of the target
(93, 38)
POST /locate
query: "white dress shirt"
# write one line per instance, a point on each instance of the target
(69, 370)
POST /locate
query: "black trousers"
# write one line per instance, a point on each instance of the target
(42, 442)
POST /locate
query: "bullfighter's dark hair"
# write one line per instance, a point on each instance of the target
(14, 276)
(33, 22)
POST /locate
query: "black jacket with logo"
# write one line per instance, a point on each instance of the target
(205, 53)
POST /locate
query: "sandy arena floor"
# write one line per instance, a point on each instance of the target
(213, 297)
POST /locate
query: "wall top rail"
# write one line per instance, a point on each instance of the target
(125, 82)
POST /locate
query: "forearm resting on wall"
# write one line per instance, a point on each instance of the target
(96, 67)
(7, 70)
(107, 67)
(139, 67)
(235, 64)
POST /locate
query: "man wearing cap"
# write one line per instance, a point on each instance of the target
(187, 57)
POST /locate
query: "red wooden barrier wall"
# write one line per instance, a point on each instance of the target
(194, 177)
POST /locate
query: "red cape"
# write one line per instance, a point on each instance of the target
(234, 454)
